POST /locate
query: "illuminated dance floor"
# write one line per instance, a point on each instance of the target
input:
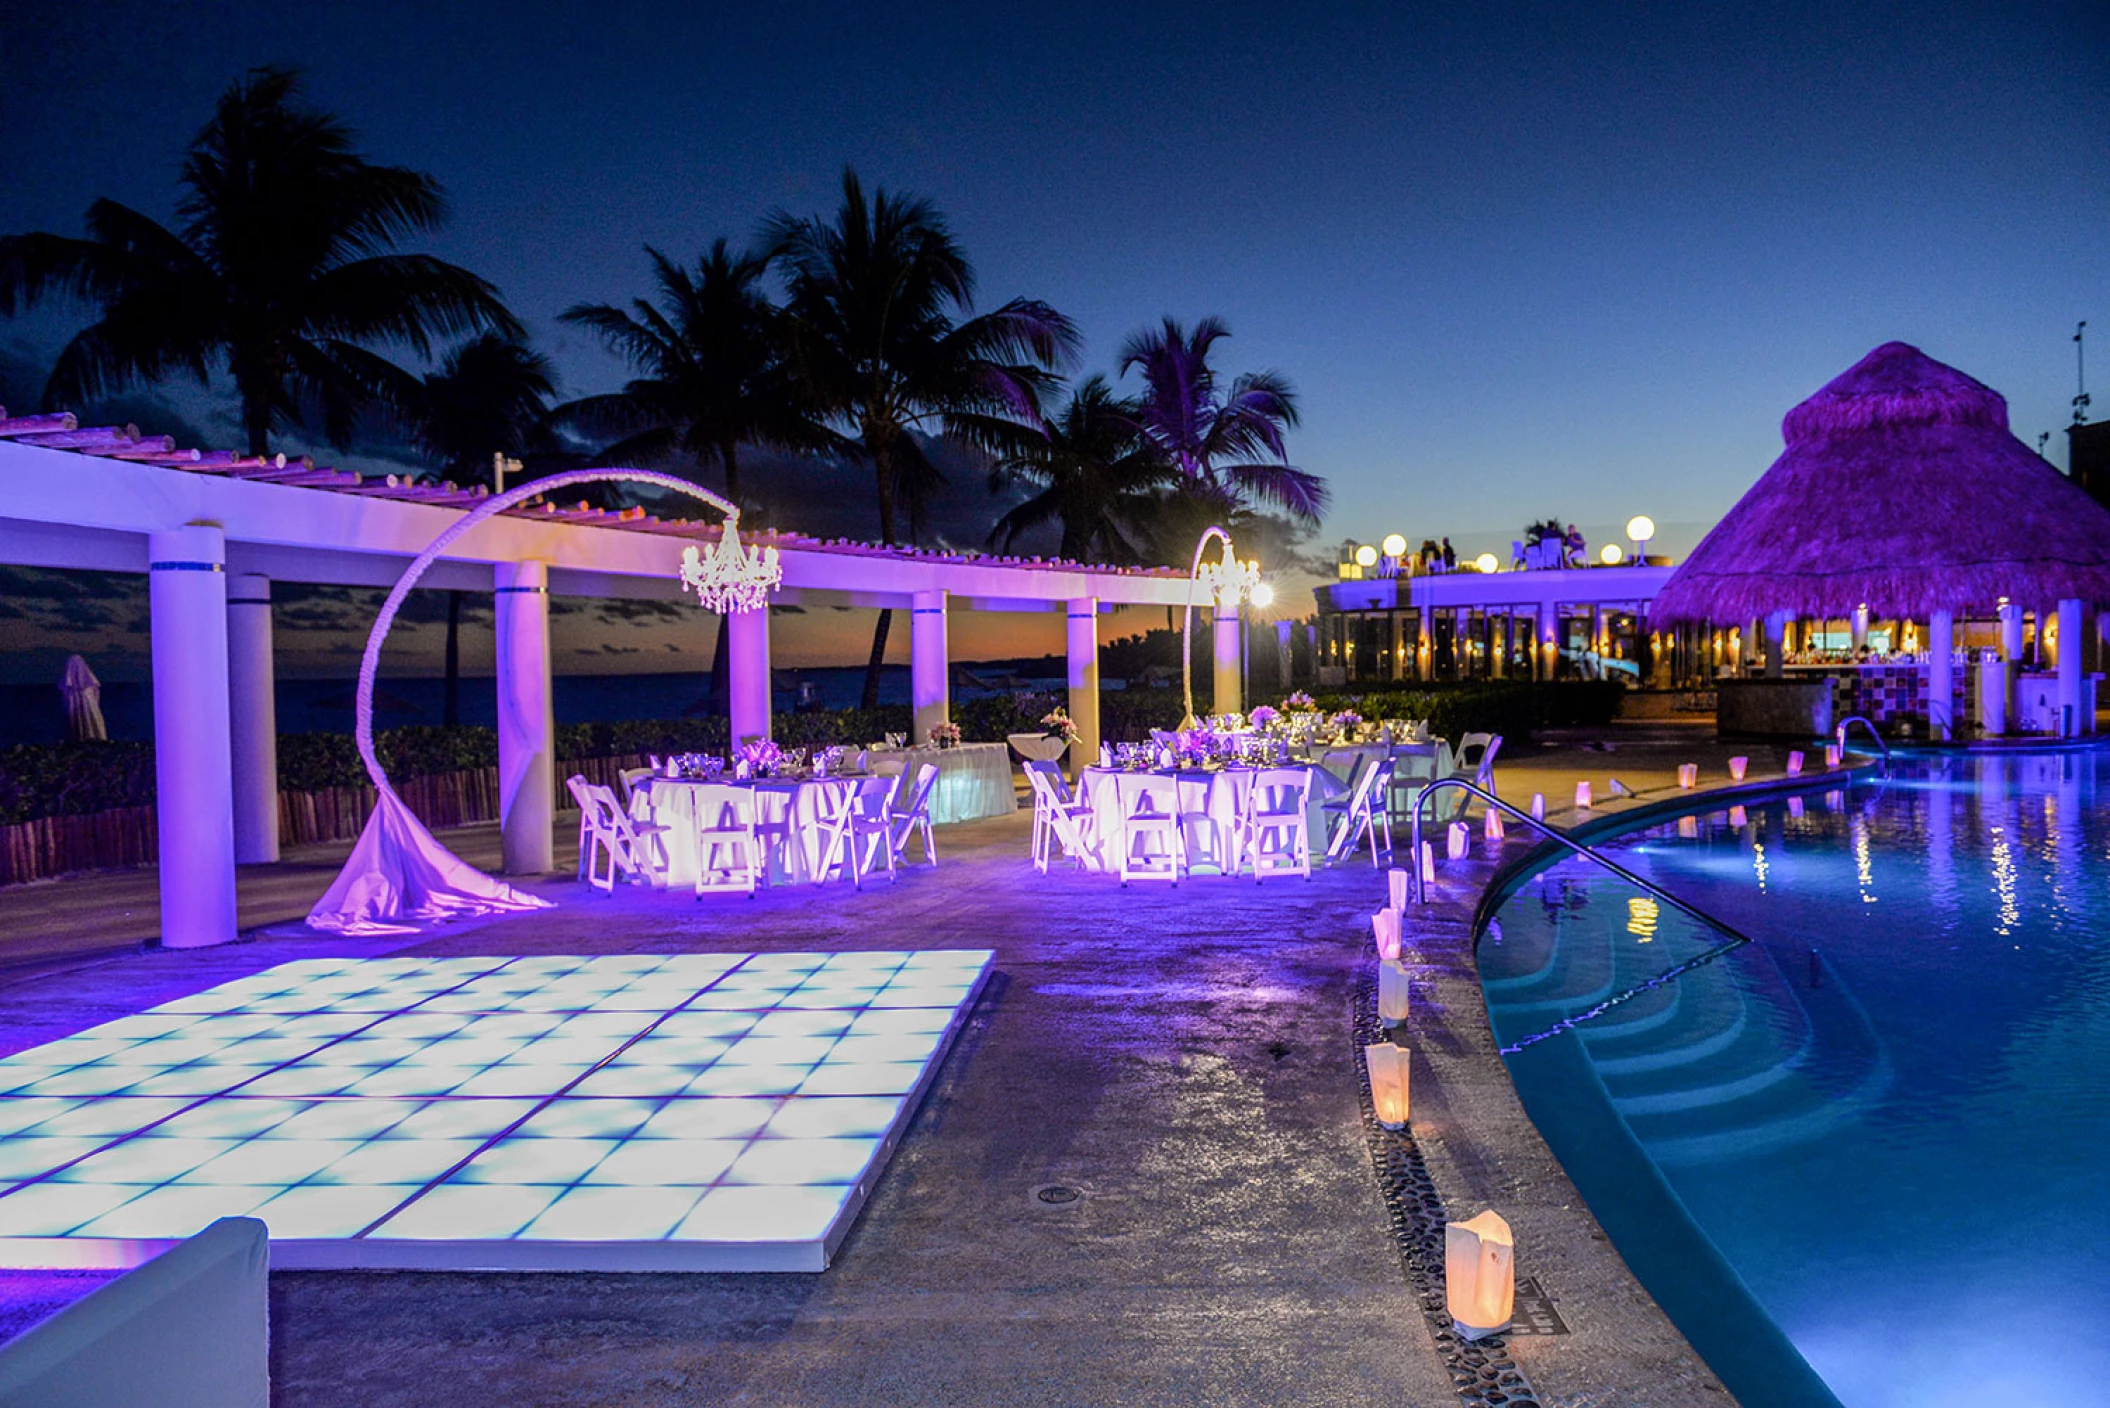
(710, 1112)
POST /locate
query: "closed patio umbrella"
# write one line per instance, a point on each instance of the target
(84, 702)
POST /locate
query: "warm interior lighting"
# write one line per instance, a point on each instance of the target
(1486, 562)
(1388, 1082)
(1479, 1274)
(1395, 545)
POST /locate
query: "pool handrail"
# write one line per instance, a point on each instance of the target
(1864, 721)
(1554, 833)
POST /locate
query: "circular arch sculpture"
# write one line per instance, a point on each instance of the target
(1227, 577)
(399, 876)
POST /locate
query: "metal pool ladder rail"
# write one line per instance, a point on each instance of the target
(1555, 833)
(1865, 722)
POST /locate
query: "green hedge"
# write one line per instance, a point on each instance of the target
(69, 779)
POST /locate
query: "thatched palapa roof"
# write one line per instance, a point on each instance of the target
(1901, 488)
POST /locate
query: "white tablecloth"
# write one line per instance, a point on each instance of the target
(672, 803)
(1038, 747)
(1219, 797)
(974, 779)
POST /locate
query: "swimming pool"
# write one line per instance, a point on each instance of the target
(1889, 1111)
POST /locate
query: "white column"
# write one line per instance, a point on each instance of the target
(527, 725)
(1860, 626)
(1776, 645)
(747, 673)
(254, 719)
(2071, 658)
(1941, 672)
(1229, 695)
(193, 766)
(930, 672)
(1284, 659)
(1082, 639)
(2011, 634)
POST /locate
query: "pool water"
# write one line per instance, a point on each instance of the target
(1891, 1110)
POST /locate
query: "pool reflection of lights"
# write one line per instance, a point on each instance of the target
(690, 1111)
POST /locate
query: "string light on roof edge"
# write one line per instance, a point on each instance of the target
(731, 577)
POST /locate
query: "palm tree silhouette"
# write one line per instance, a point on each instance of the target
(1226, 446)
(489, 396)
(710, 370)
(281, 273)
(1099, 477)
(884, 342)
(711, 377)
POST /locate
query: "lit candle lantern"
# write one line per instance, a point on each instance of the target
(1457, 841)
(1396, 882)
(1538, 806)
(1386, 925)
(1831, 755)
(1388, 1082)
(1794, 762)
(1582, 795)
(1491, 826)
(1428, 863)
(1391, 993)
(1688, 775)
(1736, 768)
(1479, 1275)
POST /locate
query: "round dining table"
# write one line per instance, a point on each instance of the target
(671, 801)
(1212, 802)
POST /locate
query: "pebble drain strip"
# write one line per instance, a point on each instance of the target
(1482, 1372)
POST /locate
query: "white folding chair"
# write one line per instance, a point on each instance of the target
(1057, 817)
(1360, 813)
(633, 848)
(831, 800)
(869, 821)
(630, 777)
(915, 817)
(1277, 823)
(1471, 747)
(1149, 805)
(729, 857)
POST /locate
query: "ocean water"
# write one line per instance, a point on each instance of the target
(1889, 1111)
(36, 713)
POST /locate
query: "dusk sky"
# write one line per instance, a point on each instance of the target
(1571, 261)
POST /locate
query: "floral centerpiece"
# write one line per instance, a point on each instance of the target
(1301, 703)
(762, 757)
(945, 735)
(1197, 746)
(1264, 715)
(1059, 724)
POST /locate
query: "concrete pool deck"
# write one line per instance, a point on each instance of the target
(1182, 1059)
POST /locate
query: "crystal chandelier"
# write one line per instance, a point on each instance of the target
(731, 577)
(1230, 580)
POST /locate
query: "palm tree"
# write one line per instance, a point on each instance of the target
(1097, 473)
(282, 270)
(711, 378)
(711, 374)
(488, 397)
(1226, 445)
(884, 341)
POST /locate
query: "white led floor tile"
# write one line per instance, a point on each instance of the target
(687, 1111)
